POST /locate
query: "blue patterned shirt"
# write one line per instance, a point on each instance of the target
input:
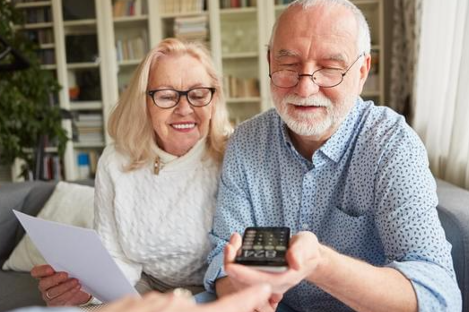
(367, 193)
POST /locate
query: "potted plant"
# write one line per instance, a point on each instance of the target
(28, 114)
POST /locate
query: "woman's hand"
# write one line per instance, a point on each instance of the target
(57, 288)
(243, 301)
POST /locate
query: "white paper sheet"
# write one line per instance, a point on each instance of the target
(79, 252)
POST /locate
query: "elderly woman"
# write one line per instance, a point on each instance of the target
(156, 185)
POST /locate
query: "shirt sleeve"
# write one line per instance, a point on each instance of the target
(105, 222)
(413, 239)
(233, 212)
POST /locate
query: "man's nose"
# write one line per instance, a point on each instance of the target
(306, 86)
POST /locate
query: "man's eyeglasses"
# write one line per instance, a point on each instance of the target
(169, 98)
(324, 77)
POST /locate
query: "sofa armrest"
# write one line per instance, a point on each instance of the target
(27, 197)
(453, 210)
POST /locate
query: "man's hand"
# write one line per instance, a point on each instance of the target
(303, 258)
(57, 288)
(243, 301)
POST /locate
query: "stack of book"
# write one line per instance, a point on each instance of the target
(181, 6)
(282, 2)
(240, 87)
(47, 56)
(90, 128)
(52, 168)
(131, 49)
(41, 36)
(122, 8)
(37, 15)
(191, 28)
(227, 4)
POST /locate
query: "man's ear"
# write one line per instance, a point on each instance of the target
(364, 70)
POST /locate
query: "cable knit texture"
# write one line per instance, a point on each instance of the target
(157, 224)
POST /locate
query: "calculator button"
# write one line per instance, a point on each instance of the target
(269, 247)
(280, 248)
(257, 247)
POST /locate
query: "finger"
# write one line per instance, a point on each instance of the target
(244, 301)
(80, 297)
(51, 281)
(236, 240)
(232, 248)
(297, 255)
(165, 303)
(293, 253)
(275, 299)
(250, 276)
(124, 304)
(61, 299)
(40, 271)
(60, 289)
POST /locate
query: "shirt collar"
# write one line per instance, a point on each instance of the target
(337, 144)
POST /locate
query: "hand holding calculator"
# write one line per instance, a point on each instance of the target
(264, 248)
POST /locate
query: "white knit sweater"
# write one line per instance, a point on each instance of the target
(157, 224)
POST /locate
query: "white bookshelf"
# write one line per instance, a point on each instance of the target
(238, 39)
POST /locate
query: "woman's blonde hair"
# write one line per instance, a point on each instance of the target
(130, 123)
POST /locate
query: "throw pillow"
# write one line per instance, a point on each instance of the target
(70, 204)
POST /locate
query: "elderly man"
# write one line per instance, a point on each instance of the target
(350, 179)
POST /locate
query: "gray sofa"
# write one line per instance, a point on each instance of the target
(19, 289)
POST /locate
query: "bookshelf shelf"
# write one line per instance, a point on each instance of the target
(182, 14)
(129, 62)
(125, 20)
(84, 22)
(237, 11)
(36, 4)
(244, 100)
(34, 26)
(87, 65)
(91, 105)
(240, 55)
(366, 2)
(49, 67)
(47, 46)
(49, 149)
(89, 144)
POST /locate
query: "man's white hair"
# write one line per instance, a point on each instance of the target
(363, 40)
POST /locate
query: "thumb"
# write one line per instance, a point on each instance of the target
(243, 301)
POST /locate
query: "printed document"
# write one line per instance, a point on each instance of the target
(79, 252)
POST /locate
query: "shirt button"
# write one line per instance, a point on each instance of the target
(305, 226)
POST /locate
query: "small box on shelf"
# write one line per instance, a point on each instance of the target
(84, 85)
(87, 162)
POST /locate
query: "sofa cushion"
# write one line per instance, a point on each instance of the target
(17, 290)
(69, 204)
(27, 197)
(453, 211)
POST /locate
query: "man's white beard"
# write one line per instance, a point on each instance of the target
(310, 123)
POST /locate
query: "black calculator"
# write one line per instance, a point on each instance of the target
(264, 248)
